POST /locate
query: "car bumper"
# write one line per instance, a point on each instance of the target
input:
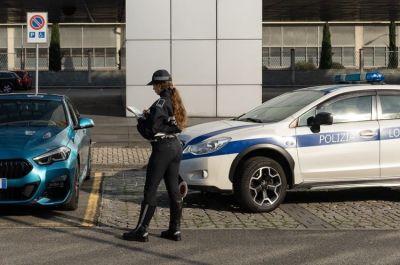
(44, 185)
(208, 173)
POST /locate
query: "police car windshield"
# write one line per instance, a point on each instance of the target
(281, 107)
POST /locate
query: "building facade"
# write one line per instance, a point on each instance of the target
(78, 41)
(347, 39)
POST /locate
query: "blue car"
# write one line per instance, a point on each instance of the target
(44, 150)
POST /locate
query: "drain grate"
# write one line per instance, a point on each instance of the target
(303, 216)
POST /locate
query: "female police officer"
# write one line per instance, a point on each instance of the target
(160, 124)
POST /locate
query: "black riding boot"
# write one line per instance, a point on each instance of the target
(174, 230)
(140, 232)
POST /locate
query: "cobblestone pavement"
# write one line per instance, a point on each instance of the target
(122, 191)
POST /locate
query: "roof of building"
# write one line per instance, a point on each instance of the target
(68, 11)
(331, 10)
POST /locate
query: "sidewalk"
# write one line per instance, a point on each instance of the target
(121, 131)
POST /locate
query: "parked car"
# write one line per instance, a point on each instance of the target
(26, 78)
(333, 136)
(9, 81)
(45, 150)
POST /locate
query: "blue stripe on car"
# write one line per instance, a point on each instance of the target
(211, 134)
(332, 138)
(307, 140)
(236, 147)
(390, 133)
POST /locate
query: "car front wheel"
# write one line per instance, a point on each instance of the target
(72, 204)
(260, 185)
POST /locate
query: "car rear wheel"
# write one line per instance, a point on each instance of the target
(260, 185)
(72, 204)
(7, 88)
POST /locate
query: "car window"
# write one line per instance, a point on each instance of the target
(74, 115)
(303, 118)
(40, 113)
(349, 109)
(390, 105)
(281, 107)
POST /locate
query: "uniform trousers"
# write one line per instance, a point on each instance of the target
(163, 164)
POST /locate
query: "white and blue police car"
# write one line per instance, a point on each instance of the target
(342, 135)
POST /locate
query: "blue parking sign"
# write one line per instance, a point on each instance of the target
(41, 35)
(31, 34)
(3, 183)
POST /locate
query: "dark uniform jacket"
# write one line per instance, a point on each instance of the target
(160, 119)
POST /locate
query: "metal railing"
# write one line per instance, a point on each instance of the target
(27, 61)
(362, 59)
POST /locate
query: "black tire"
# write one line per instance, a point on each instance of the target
(260, 185)
(89, 166)
(73, 202)
(7, 87)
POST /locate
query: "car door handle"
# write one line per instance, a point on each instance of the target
(368, 134)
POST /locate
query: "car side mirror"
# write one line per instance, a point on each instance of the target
(322, 118)
(85, 123)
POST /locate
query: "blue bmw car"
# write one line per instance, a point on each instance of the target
(44, 150)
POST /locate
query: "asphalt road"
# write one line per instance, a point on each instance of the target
(200, 247)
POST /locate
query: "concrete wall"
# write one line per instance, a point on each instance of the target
(80, 79)
(212, 48)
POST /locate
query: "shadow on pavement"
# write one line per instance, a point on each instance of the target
(344, 195)
(227, 202)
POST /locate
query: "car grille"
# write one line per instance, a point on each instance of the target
(14, 169)
(18, 194)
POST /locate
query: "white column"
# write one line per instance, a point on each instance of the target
(147, 47)
(118, 36)
(194, 67)
(11, 47)
(239, 59)
(359, 41)
(211, 47)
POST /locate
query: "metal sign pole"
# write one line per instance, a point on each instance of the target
(37, 68)
(36, 25)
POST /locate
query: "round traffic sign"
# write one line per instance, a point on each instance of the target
(37, 22)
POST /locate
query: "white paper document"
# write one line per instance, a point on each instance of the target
(138, 113)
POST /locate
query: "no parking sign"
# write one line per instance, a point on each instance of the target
(36, 27)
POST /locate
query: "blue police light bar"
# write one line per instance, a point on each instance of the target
(369, 77)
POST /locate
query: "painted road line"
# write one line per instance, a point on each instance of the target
(94, 197)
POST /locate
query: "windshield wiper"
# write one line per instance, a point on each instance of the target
(252, 120)
(238, 117)
(14, 123)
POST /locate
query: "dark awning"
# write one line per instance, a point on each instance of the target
(331, 10)
(79, 11)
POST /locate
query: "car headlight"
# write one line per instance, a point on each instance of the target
(207, 146)
(59, 154)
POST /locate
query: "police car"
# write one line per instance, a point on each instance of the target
(334, 136)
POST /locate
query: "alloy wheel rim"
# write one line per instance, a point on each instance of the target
(7, 89)
(265, 186)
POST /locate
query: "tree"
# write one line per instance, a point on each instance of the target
(326, 50)
(393, 58)
(54, 49)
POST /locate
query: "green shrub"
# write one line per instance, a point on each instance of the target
(326, 49)
(54, 49)
(304, 66)
(336, 65)
(393, 58)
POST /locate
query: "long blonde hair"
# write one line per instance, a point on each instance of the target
(177, 104)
